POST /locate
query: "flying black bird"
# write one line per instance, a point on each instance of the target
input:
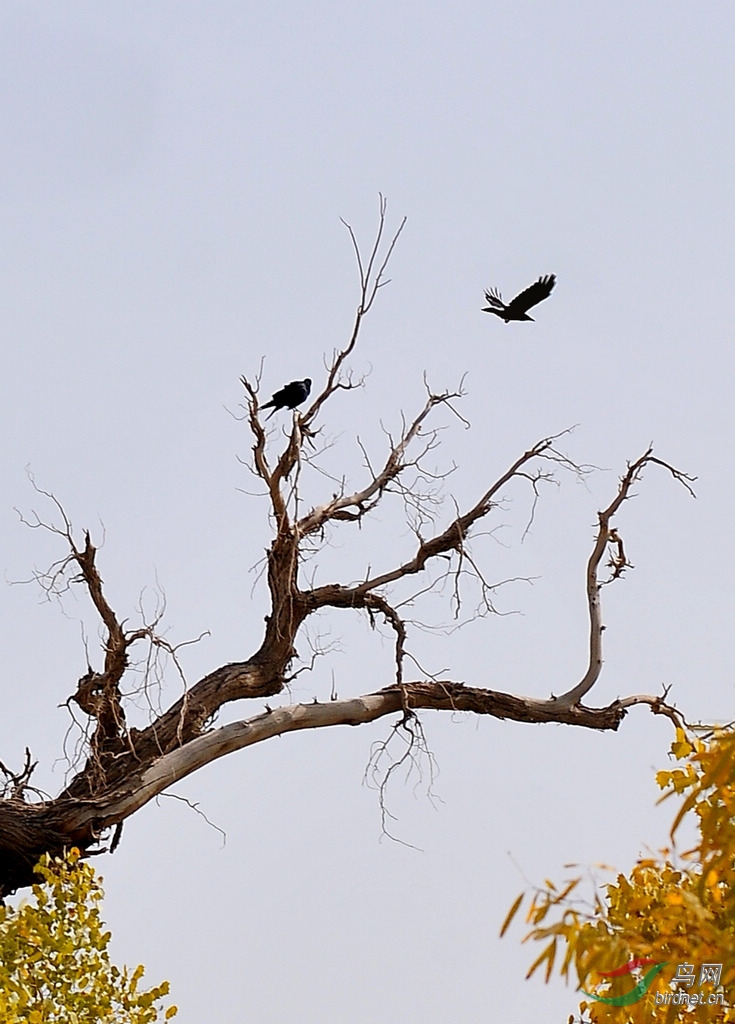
(290, 395)
(517, 309)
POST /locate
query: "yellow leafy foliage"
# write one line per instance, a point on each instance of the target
(661, 912)
(54, 963)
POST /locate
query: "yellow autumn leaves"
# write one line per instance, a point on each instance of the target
(54, 963)
(674, 909)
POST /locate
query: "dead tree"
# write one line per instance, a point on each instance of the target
(125, 767)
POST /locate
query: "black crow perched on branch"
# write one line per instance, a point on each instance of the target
(290, 395)
(516, 310)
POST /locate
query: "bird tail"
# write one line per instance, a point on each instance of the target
(269, 405)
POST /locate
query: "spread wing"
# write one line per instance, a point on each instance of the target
(532, 295)
(494, 299)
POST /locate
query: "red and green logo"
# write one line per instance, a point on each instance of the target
(640, 989)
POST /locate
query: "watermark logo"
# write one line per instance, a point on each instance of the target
(709, 974)
(640, 989)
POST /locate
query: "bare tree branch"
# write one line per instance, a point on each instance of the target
(443, 695)
(607, 537)
(352, 507)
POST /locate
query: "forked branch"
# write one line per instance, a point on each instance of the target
(609, 539)
(352, 507)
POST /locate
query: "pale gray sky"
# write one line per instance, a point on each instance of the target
(171, 182)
